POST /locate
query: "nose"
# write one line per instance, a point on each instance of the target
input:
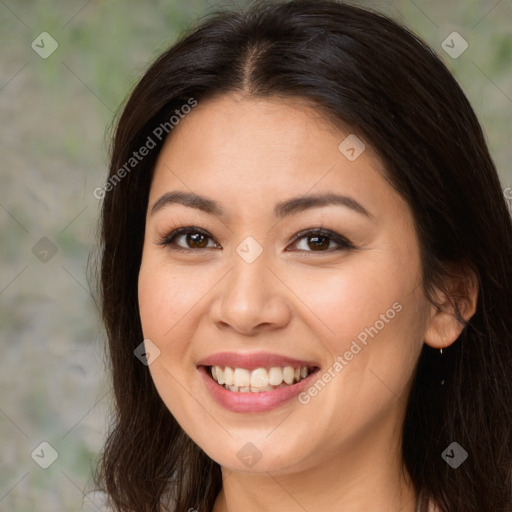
(250, 298)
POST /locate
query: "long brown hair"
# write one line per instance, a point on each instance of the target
(370, 73)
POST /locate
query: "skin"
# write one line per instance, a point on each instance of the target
(340, 451)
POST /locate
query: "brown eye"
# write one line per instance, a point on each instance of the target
(316, 240)
(194, 238)
(198, 240)
(319, 240)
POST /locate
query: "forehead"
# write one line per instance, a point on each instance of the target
(246, 151)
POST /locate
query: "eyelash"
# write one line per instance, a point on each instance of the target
(168, 240)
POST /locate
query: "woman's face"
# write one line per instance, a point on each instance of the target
(345, 307)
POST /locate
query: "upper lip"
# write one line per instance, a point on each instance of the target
(253, 360)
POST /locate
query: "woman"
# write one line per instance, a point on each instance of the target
(305, 275)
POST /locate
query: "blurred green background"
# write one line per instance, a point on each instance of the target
(56, 114)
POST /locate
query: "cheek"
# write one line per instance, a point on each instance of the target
(370, 318)
(166, 296)
(344, 302)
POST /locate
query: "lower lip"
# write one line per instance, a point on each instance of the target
(252, 402)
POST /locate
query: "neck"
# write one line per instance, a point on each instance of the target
(356, 480)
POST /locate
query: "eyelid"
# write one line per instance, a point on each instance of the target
(343, 242)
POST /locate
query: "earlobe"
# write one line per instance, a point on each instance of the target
(455, 308)
(442, 330)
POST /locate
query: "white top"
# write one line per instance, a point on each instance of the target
(97, 501)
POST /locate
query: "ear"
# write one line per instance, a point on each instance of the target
(457, 300)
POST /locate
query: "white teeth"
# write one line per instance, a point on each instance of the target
(258, 380)
(288, 374)
(242, 377)
(266, 388)
(229, 378)
(275, 376)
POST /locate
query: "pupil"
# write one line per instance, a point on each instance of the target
(195, 241)
(321, 238)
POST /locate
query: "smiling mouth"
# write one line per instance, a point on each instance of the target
(258, 380)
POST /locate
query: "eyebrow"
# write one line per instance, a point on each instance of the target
(281, 210)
